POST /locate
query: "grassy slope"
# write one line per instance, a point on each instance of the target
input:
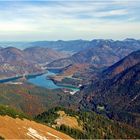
(23, 125)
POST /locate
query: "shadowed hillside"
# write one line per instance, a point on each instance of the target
(117, 91)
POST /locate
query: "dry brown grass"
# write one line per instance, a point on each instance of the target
(11, 128)
(68, 121)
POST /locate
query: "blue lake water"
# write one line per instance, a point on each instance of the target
(43, 81)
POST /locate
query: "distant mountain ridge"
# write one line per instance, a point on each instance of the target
(70, 45)
(100, 53)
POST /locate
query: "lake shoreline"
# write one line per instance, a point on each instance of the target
(13, 78)
(64, 85)
(43, 80)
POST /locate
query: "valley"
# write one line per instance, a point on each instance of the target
(42, 80)
(69, 70)
(98, 84)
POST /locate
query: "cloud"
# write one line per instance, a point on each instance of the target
(39, 20)
(120, 12)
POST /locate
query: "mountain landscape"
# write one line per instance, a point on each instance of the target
(98, 86)
(98, 51)
(69, 69)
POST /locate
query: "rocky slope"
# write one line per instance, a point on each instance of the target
(14, 61)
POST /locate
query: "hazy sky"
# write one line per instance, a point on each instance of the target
(82, 19)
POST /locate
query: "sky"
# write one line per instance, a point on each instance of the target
(69, 20)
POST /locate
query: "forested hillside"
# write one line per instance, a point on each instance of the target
(90, 125)
(117, 91)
